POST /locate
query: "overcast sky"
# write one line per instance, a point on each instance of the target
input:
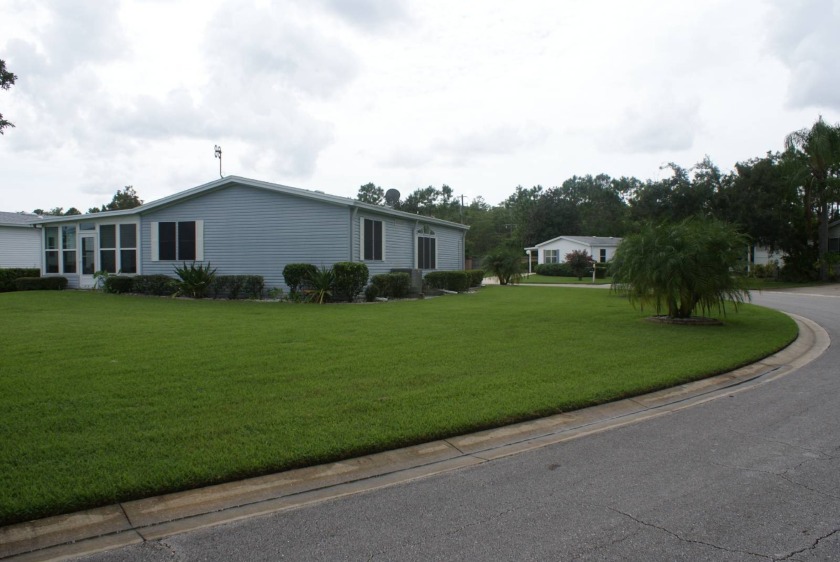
(482, 95)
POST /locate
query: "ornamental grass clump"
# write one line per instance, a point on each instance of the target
(682, 268)
(194, 281)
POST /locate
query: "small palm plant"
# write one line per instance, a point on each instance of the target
(682, 267)
(321, 283)
(506, 265)
(194, 281)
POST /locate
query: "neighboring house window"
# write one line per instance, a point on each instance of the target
(426, 248)
(603, 255)
(60, 249)
(373, 240)
(177, 241)
(118, 248)
(551, 256)
(834, 245)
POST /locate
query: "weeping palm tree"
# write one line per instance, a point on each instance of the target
(815, 153)
(681, 268)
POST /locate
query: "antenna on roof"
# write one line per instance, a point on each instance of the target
(218, 152)
(392, 197)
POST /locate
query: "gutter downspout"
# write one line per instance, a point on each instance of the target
(353, 216)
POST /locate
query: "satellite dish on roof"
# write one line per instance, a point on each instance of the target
(392, 197)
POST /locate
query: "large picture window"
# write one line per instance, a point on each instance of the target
(551, 256)
(60, 249)
(118, 248)
(426, 249)
(178, 241)
(373, 240)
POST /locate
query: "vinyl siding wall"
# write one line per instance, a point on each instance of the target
(400, 244)
(250, 231)
(568, 246)
(20, 247)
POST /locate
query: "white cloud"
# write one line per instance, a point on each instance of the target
(664, 122)
(804, 35)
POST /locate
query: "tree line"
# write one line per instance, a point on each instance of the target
(123, 199)
(782, 200)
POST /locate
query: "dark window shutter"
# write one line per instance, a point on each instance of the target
(166, 241)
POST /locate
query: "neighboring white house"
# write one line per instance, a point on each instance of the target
(601, 248)
(20, 241)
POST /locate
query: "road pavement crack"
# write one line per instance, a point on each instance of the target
(813, 545)
(684, 539)
(781, 475)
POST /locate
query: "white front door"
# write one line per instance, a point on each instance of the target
(88, 259)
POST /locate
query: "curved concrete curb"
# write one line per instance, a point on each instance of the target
(96, 530)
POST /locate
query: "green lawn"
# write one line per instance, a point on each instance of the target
(554, 280)
(106, 398)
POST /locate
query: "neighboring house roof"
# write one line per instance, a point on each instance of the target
(236, 180)
(22, 220)
(600, 241)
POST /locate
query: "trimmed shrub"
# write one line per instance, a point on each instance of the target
(458, 281)
(554, 270)
(8, 276)
(392, 285)
(40, 283)
(350, 280)
(158, 285)
(476, 277)
(118, 284)
(237, 287)
(371, 292)
(296, 274)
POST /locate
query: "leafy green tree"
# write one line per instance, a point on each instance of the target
(681, 267)
(815, 155)
(371, 193)
(504, 264)
(7, 80)
(579, 261)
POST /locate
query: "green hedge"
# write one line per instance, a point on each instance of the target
(554, 270)
(8, 276)
(237, 287)
(118, 284)
(158, 285)
(296, 274)
(458, 281)
(391, 285)
(40, 283)
(350, 280)
(476, 277)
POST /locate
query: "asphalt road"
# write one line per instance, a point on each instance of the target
(754, 475)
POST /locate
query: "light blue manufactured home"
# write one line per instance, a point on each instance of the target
(242, 226)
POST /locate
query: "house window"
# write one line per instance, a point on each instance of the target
(128, 248)
(118, 248)
(603, 255)
(51, 249)
(373, 240)
(60, 249)
(426, 248)
(551, 256)
(834, 245)
(68, 249)
(177, 241)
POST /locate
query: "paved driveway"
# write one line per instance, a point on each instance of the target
(754, 475)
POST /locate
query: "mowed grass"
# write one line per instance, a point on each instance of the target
(555, 280)
(107, 398)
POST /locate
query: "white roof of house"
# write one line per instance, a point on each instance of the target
(236, 180)
(22, 220)
(591, 241)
